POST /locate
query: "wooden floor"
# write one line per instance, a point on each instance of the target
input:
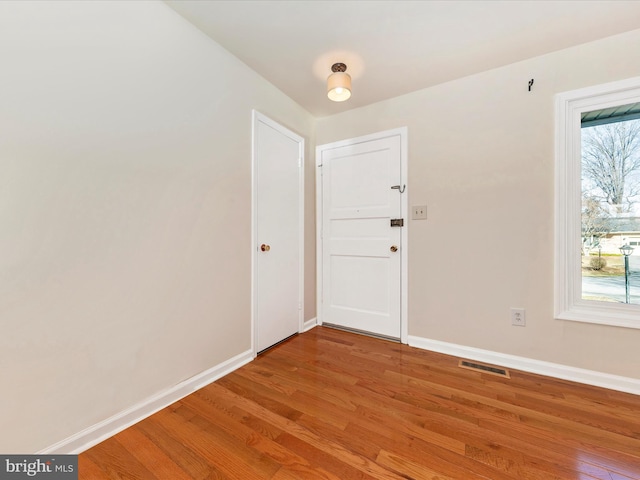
(333, 405)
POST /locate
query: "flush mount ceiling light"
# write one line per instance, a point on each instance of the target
(339, 83)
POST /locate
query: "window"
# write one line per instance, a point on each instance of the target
(598, 204)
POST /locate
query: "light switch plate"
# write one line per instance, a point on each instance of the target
(419, 212)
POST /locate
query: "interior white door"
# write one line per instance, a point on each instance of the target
(361, 251)
(277, 211)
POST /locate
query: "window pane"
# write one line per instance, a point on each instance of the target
(610, 216)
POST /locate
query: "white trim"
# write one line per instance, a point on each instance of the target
(404, 279)
(568, 303)
(256, 117)
(555, 370)
(301, 242)
(95, 434)
(318, 237)
(309, 324)
(402, 132)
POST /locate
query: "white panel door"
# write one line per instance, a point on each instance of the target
(362, 255)
(278, 198)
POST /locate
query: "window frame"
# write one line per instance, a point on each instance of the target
(569, 304)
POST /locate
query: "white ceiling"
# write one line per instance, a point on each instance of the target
(395, 47)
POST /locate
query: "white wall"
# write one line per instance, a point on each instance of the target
(125, 209)
(481, 156)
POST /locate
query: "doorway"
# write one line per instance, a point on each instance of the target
(277, 233)
(362, 234)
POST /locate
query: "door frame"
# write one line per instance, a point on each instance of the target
(404, 205)
(256, 117)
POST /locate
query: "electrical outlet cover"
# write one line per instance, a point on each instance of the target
(518, 317)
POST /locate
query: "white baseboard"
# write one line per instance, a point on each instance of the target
(309, 324)
(564, 372)
(95, 434)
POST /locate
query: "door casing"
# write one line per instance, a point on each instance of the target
(402, 132)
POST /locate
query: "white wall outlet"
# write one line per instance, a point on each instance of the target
(517, 317)
(419, 212)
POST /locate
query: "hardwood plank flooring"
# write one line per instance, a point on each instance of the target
(333, 405)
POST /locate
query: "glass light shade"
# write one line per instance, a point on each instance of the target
(339, 86)
(626, 250)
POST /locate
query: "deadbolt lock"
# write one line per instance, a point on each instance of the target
(393, 248)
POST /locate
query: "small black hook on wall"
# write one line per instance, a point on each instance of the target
(530, 84)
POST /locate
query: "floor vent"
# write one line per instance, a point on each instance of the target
(481, 367)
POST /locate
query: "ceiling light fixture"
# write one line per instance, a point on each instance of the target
(339, 83)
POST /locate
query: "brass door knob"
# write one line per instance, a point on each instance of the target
(393, 248)
(265, 248)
